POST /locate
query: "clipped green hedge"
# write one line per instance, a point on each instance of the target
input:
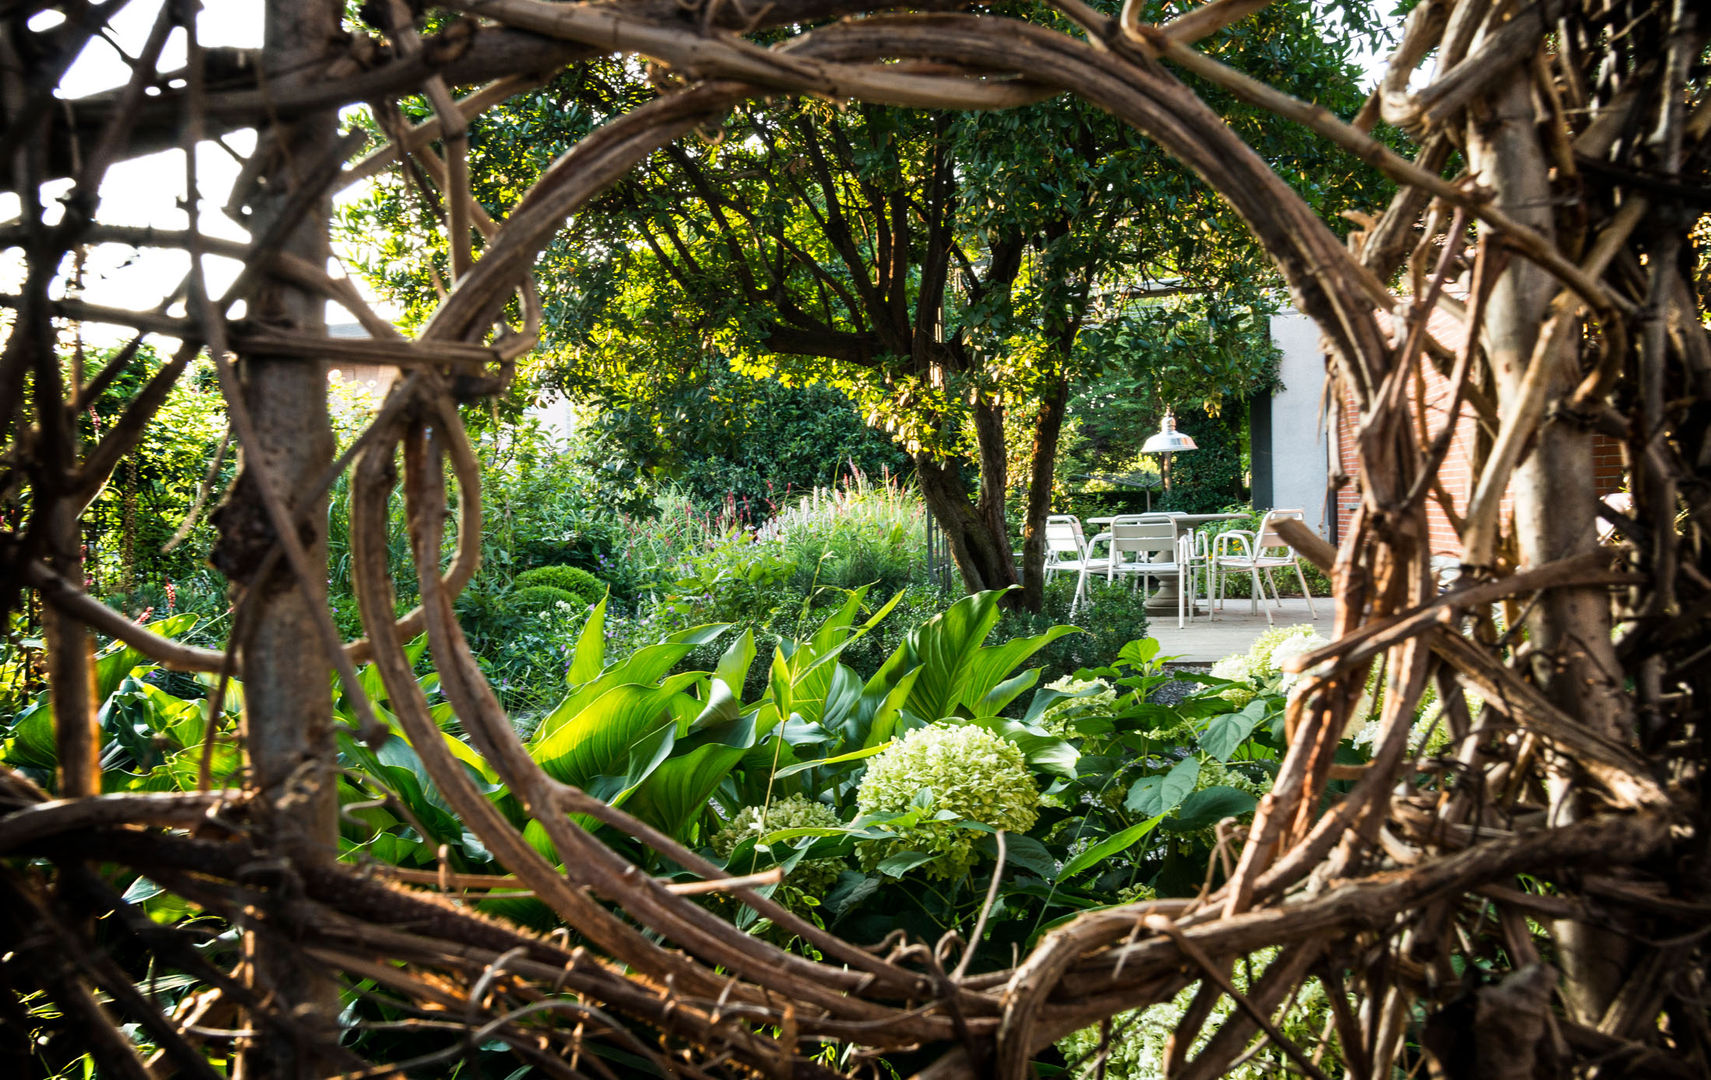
(542, 597)
(571, 579)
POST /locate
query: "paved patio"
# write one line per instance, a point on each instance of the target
(1231, 630)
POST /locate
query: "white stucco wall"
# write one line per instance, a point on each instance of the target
(1299, 452)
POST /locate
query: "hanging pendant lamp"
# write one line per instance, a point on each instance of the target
(1168, 440)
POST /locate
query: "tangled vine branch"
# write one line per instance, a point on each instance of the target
(1582, 131)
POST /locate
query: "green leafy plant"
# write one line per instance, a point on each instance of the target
(877, 790)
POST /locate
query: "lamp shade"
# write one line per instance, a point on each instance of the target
(1168, 440)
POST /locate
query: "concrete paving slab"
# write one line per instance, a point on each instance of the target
(1231, 630)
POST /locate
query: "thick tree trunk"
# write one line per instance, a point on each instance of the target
(287, 723)
(994, 471)
(1568, 648)
(981, 555)
(1048, 426)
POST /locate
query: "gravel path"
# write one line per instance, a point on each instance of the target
(1176, 690)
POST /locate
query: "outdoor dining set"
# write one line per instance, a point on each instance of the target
(1176, 552)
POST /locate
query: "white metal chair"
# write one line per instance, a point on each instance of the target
(1129, 519)
(1195, 556)
(1067, 549)
(1261, 551)
(1158, 554)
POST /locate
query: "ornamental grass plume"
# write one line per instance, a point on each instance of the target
(967, 772)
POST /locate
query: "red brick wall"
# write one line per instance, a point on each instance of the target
(1431, 397)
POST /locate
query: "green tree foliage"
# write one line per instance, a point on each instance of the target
(1203, 355)
(720, 435)
(150, 496)
(940, 270)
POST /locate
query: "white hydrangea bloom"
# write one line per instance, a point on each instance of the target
(790, 812)
(1261, 656)
(1235, 668)
(1287, 650)
(969, 771)
(811, 879)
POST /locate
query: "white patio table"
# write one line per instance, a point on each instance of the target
(1164, 600)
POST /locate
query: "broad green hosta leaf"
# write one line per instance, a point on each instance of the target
(827, 689)
(718, 707)
(396, 766)
(878, 714)
(686, 708)
(134, 717)
(837, 627)
(805, 675)
(600, 738)
(590, 654)
(119, 661)
(809, 688)
(945, 646)
(163, 778)
(176, 718)
(185, 768)
(843, 698)
(960, 677)
(733, 667)
(233, 705)
(674, 794)
(986, 691)
(32, 743)
(368, 677)
(646, 666)
(535, 834)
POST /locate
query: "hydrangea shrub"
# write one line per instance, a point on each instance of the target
(968, 772)
(810, 878)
